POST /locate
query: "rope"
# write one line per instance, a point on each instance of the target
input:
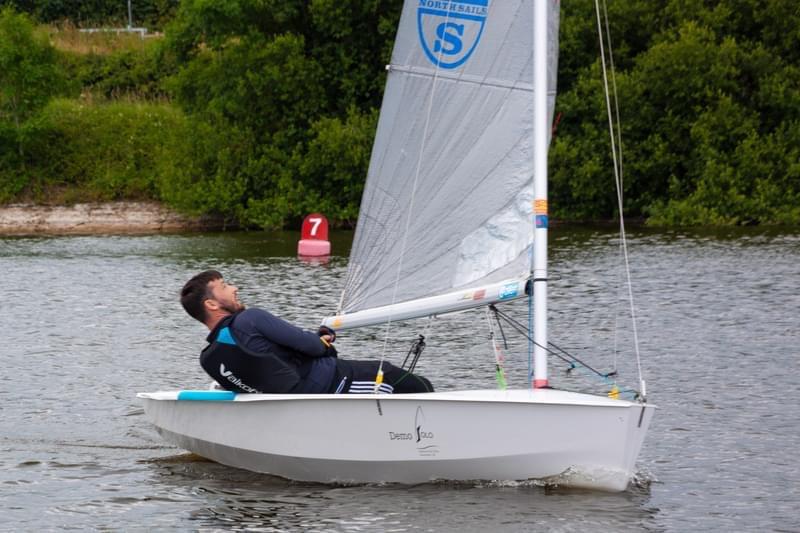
(618, 180)
(499, 359)
(530, 328)
(567, 357)
(573, 361)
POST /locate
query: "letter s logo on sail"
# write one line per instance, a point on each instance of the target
(452, 39)
(450, 30)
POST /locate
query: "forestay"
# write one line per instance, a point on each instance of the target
(447, 202)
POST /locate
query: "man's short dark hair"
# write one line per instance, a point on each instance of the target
(196, 291)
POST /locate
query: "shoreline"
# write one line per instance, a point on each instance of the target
(108, 218)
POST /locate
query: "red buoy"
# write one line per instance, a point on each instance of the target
(314, 236)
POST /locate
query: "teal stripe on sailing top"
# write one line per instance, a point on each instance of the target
(225, 336)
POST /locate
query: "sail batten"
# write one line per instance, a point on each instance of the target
(454, 141)
(431, 73)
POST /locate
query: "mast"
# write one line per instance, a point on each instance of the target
(540, 138)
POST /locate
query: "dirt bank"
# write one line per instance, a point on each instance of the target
(90, 219)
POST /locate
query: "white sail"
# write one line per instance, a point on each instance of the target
(447, 203)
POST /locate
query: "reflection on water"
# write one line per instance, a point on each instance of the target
(89, 321)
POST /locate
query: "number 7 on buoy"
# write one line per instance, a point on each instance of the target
(315, 222)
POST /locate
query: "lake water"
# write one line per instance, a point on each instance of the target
(90, 321)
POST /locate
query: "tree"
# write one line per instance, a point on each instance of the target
(301, 81)
(709, 96)
(29, 74)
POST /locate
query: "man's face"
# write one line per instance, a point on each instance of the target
(225, 295)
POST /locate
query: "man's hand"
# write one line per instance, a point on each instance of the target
(330, 349)
(326, 334)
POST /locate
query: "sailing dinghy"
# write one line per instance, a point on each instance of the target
(454, 216)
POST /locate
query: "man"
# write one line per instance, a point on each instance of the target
(251, 350)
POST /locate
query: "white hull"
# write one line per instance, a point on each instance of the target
(568, 438)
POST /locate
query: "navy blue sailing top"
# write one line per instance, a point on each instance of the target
(255, 351)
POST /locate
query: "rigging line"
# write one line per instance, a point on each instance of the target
(621, 185)
(615, 93)
(499, 359)
(621, 180)
(530, 328)
(620, 205)
(411, 205)
(576, 360)
(521, 329)
(500, 327)
(572, 360)
(532, 230)
(617, 313)
(566, 357)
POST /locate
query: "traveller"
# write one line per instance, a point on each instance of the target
(251, 350)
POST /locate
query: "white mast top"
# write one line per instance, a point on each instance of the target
(540, 144)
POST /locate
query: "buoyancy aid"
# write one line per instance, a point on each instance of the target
(238, 369)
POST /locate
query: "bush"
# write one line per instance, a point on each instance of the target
(100, 152)
(204, 170)
(29, 77)
(112, 66)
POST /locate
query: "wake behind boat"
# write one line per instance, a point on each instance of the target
(454, 216)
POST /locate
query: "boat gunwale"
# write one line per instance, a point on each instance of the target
(513, 396)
